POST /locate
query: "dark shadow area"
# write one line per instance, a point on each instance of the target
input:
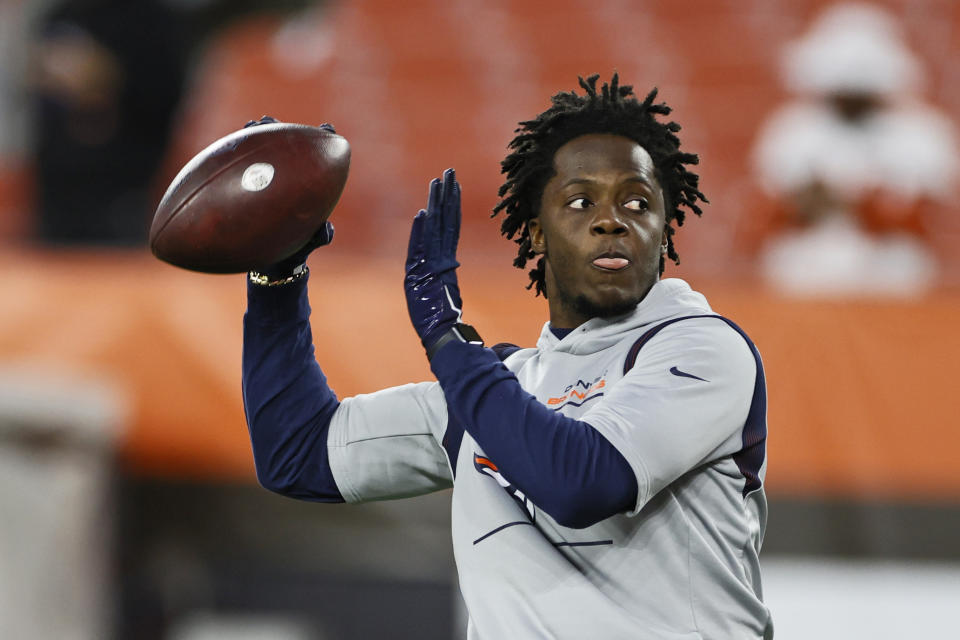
(863, 529)
(379, 570)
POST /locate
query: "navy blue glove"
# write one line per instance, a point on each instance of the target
(271, 120)
(430, 284)
(262, 120)
(292, 265)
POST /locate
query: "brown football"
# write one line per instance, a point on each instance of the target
(251, 198)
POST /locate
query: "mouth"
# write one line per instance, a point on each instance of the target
(611, 261)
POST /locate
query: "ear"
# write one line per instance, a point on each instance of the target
(537, 242)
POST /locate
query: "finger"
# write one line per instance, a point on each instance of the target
(449, 243)
(451, 214)
(415, 246)
(449, 177)
(438, 224)
(263, 120)
(446, 190)
(457, 216)
(434, 200)
(325, 235)
(432, 224)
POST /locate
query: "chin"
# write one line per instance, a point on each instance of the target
(604, 308)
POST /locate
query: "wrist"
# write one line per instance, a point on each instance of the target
(457, 332)
(277, 305)
(272, 278)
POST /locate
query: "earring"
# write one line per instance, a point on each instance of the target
(663, 248)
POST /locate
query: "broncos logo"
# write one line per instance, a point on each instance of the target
(486, 467)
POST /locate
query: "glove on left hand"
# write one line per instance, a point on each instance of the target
(324, 235)
(430, 284)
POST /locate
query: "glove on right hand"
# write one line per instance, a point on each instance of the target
(430, 284)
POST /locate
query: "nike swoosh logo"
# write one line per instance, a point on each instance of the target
(684, 374)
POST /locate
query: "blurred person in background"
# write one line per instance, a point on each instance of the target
(856, 168)
(17, 24)
(108, 76)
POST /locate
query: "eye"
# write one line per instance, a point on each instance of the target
(637, 204)
(579, 203)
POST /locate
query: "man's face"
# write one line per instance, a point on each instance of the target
(601, 227)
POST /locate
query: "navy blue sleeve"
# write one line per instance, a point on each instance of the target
(565, 466)
(285, 395)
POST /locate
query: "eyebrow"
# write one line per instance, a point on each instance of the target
(634, 178)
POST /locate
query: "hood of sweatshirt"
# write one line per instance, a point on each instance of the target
(669, 298)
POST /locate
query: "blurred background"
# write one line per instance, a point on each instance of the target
(128, 502)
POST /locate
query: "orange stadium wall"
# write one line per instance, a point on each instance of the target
(862, 394)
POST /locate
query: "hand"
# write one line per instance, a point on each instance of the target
(294, 264)
(324, 236)
(430, 284)
(271, 120)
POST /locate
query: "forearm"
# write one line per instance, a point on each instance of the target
(565, 466)
(287, 400)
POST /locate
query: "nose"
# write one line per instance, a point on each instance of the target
(607, 220)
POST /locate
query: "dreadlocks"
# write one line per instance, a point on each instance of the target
(613, 109)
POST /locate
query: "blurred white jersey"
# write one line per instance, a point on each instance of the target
(907, 152)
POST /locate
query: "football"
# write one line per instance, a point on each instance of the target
(251, 198)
